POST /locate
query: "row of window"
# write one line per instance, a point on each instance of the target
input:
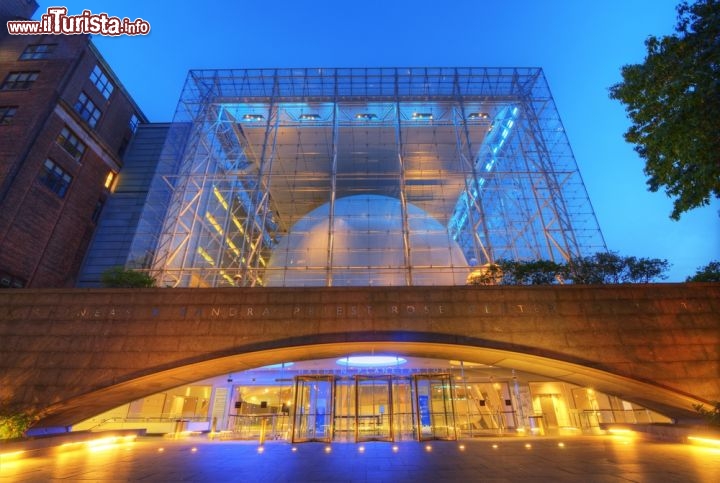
(7, 113)
(55, 178)
(87, 109)
(44, 51)
(52, 175)
(70, 142)
(84, 106)
(38, 51)
(58, 180)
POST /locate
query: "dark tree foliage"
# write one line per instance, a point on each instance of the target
(489, 274)
(118, 277)
(645, 270)
(14, 422)
(534, 272)
(601, 268)
(673, 101)
(712, 415)
(708, 273)
(608, 267)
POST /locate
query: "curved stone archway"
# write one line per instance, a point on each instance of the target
(653, 397)
(73, 354)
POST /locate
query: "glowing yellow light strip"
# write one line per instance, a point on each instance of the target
(237, 223)
(99, 443)
(227, 277)
(13, 455)
(262, 261)
(709, 441)
(220, 198)
(214, 222)
(205, 255)
(232, 247)
(106, 443)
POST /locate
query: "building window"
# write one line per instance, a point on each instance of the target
(109, 179)
(7, 113)
(87, 110)
(134, 121)
(98, 77)
(123, 148)
(19, 80)
(69, 141)
(11, 281)
(98, 209)
(55, 178)
(37, 51)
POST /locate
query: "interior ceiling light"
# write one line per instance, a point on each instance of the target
(422, 115)
(478, 115)
(371, 361)
(277, 366)
(468, 364)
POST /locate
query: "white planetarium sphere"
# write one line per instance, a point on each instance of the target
(367, 247)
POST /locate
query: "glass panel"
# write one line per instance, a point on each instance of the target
(344, 414)
(484, 408)
(404, 421)
(313, 409)
(374, 408)
(434, 406)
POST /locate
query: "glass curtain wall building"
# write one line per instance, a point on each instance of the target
(361, 177)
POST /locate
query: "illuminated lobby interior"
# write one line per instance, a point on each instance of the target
(375, 398)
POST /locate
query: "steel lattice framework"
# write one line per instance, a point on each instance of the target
(266, 169)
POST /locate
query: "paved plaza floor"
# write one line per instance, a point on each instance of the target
(575, 459)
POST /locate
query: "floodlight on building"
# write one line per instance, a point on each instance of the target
(309, 117)
(253, 117)
(365, 116)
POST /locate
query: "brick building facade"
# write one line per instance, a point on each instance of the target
(65, 122)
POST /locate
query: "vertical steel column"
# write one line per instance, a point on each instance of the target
(403, 201)
(181, 227)
(467, 156)
(556, 199)
(255, 222)
(333, 186)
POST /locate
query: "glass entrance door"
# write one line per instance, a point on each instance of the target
(374, 408)
(344, 413)
(313, 416)
(404, 420)
(434, 407)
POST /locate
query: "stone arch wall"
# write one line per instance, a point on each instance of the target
(74, 353)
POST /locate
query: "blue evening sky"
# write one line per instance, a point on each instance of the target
(580, 44)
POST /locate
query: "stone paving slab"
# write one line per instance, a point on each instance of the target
(577, 459)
